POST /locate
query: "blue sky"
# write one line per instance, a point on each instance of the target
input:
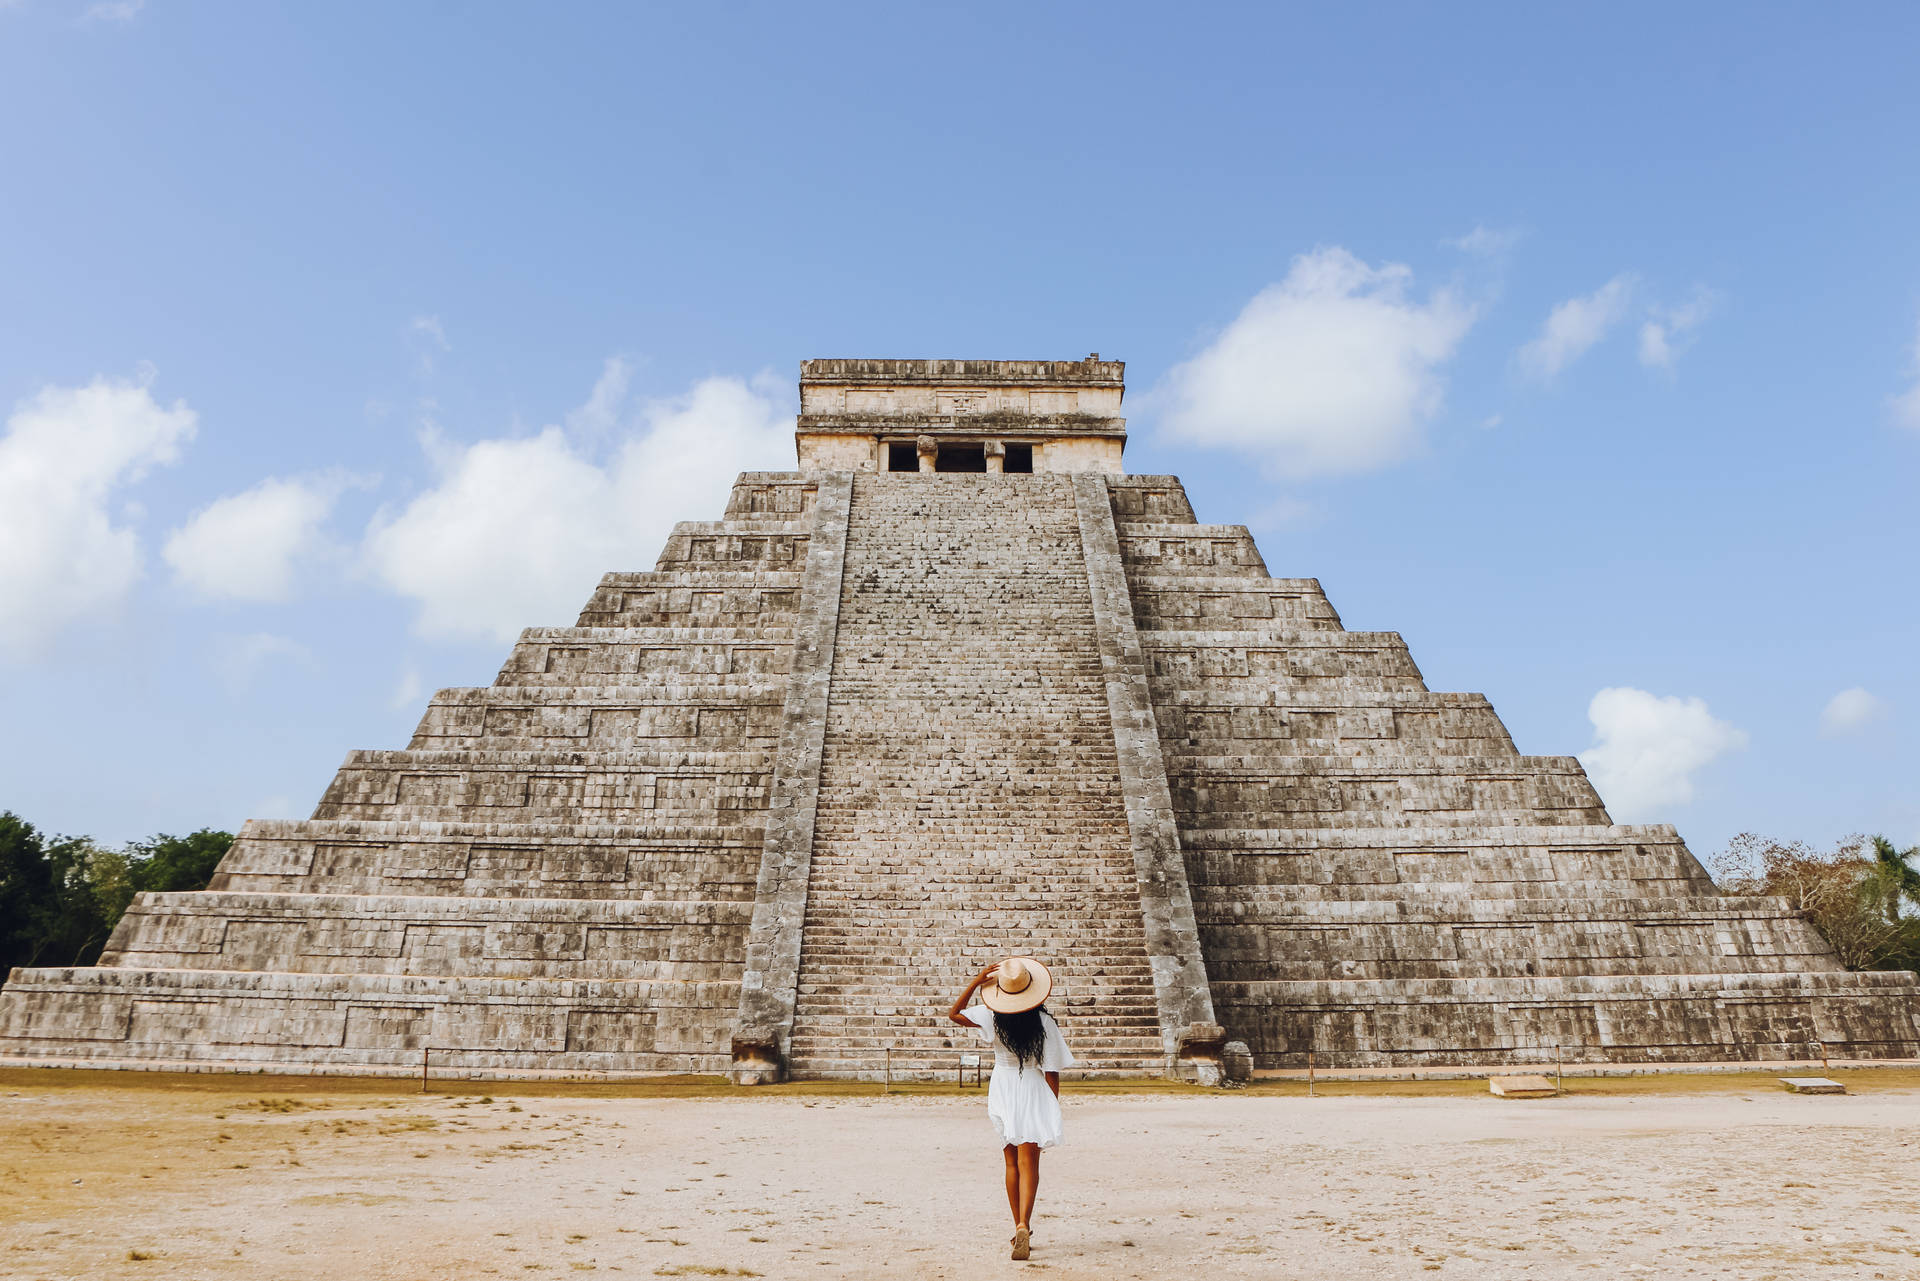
(340, 341)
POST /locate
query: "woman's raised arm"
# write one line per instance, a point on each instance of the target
(960, 1002)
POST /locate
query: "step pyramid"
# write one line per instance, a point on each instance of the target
(957, 687)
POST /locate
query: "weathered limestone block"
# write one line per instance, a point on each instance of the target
(597, 718)
(1310, 659)
(1164, 602)
(319, 1021)
(751, 544)
(753, 601)
(427, 786)
(668, 859)
(1215, 551)
(672, 658)
(772, 495)
(667, 941)
(1151, 500)
(1681, 1018)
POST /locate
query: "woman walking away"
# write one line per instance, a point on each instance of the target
(1023, 1096)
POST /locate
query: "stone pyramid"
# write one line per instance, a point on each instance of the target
(957, 687)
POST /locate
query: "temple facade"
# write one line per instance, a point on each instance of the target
(957, 686)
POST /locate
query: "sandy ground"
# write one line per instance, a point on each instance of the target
(1735, 1181)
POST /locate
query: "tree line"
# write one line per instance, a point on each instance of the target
(61, 896)
(1860, 895)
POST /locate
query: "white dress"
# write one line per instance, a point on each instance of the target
(1021, 1107)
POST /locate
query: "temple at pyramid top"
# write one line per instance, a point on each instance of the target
(962, 415)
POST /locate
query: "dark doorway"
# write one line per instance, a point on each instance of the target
(961, 458)
(900, 457)
(1019, 458)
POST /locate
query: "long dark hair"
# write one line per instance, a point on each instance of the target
(1023, 1034)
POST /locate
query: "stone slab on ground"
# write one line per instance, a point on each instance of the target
(1522, 1087)
(1812, 1085)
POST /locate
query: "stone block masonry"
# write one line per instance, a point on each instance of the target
(1380, 879)
(763, 808)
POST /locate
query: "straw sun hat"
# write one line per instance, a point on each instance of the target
(1019, 984)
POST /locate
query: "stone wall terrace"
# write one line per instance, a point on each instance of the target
(513, 786)
(1207, 551)
(1339, 791)
(1151, 500)
(668, 857)
(1317, 866)
(233, 1018)
(597, 718)
(1252, 723)
(1674, 1018)
(1301, 658)
(659, 941)
(676, 657)
(736, 544)
(773, 495)
(751, 600)
(1208, 603)
(1253, 938)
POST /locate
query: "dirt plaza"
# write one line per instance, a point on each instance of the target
(131, 1175)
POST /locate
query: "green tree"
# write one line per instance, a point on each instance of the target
(61, 898)
(1897, 867)
(168, 863)
(29, 904)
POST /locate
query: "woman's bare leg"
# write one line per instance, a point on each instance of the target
(1029, 1163)
(1013, 1183)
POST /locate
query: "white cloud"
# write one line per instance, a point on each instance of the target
(248, 546)
(517, 530)
(1574, 326)
(428, 339)
(1333, 369)
(1648, 748)
(66, 452)
(1667, 330)
(430, 329)
(601, 414)
(113, 11)
(240, 659)
(1285, 511)
(1906, 406)
(1850, 710)
(407, 692)
(1487, 242)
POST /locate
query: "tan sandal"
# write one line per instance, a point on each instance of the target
(1022, 1243)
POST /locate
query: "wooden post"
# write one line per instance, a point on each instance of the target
(889, 1089)
(1559, 1076)
(1309, 1071)
(424, 1051)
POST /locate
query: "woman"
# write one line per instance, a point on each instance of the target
(1023, 1097)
